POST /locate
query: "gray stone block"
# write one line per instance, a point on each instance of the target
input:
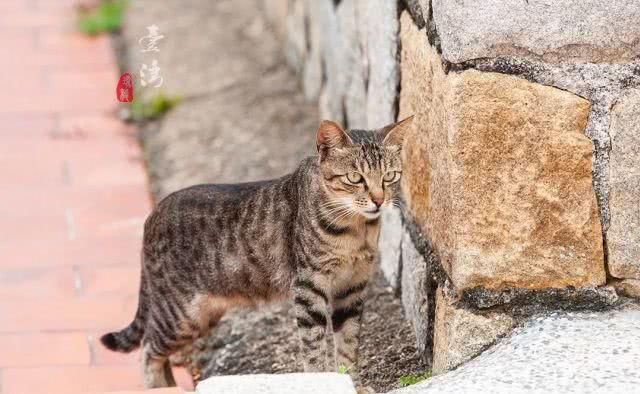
(334, 49)
(295, 45)
(414, 296)
(382, 50)
(558, 31)
(312, 69)
(460, 334)
(623, 237)
(389, 246)
(353, 26)
(291, 383)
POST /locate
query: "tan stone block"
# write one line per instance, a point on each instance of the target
(497, 174)
(460, 334)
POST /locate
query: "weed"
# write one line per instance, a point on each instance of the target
(408, 380)
(152, 108)
(105, 18)
(343, 368)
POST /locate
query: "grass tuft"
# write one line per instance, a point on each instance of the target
(105, 18)
(408, 380)
(343, 368)
(152, 108)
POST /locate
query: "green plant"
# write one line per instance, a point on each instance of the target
(106, 17)
(408, 380)
(343, 368)
(152, 108)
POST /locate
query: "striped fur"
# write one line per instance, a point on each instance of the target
(310, 235)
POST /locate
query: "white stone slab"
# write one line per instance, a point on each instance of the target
(290, 383)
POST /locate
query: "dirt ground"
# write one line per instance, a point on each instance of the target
(243, 117)
(265, 341)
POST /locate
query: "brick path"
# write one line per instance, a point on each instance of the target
(73, 199)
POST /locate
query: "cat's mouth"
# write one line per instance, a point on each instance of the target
(371, 213)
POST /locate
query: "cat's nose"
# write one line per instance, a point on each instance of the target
(377, 201)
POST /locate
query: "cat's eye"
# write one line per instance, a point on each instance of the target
(391, 176)
(353, 177)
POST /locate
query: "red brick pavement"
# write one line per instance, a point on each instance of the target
(73, 200)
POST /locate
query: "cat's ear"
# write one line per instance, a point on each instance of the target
(395, 133)
(330, 135)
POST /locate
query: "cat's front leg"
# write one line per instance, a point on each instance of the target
(346, 320)
(311, 308)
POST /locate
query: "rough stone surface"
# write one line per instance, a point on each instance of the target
(334, 50)
(292, 383)
(623, 237)
(416, 8)
(561, 353)
(353, 25)
(460, 334)
(389, 246)
(601, 84)
(499, 175)
(295, 42)
(313, 71)
(382, 49)
(591, 31)
(627, 287)
(276, 12)
(415, 300)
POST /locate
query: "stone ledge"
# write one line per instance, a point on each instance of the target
(560, 353)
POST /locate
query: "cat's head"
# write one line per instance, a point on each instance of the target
(360, 169)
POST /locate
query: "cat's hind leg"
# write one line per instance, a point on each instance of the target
(172, 326)
(156, 369)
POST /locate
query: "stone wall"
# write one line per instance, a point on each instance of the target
(522, 170)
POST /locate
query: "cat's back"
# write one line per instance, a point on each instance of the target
(205, 199)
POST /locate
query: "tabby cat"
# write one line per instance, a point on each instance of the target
(311, 235)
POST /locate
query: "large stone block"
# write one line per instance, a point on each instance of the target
(597, 31)
(295, 45)
(312, 70)
(276, 12)
(353, 24)
(382, 49)
(334, 49)
(389, 246)
(623, 237)
(415, 299)
(460, 334)
(498, 175)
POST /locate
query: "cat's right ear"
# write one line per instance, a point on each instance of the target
(330, 135)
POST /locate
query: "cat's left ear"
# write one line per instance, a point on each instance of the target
(395, 133)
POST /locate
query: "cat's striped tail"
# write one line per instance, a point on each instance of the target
(129, 338)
